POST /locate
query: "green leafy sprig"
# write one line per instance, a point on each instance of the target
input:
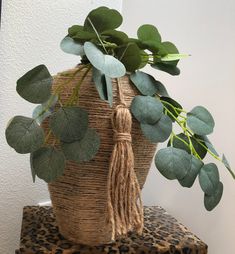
(110, 53)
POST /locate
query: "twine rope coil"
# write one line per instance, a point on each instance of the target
(125, 210)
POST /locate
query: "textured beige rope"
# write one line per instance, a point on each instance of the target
(125, 208)
(79, 197)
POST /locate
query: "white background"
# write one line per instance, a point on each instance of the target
(30, 34)
(206, 30)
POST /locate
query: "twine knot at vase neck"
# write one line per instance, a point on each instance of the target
(121, 137)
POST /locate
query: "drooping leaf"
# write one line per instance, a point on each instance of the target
(100, 83)
(68, 45)
(207, 142)
(103, 19)
(200, 121)
(166, 67)
(82, 150)
(195, 166)
(158, 132)
(107, 64)
(211, 201)
(130, 56)
(146, 109)
(177, 143)
(115, 36)
(69, 123)
(209, 178)
(48, 163)
(103, 85)
(24, 134)
(173, 163)
(35, 85)
(147, 85)
(148, 33)
(173, 111)
(144, 82)
(109, 86)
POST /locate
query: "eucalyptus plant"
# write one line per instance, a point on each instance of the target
(110, 53)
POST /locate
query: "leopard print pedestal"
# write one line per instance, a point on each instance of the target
(162, 234)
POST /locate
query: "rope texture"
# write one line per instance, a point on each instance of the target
(125, 208)
(79, 197)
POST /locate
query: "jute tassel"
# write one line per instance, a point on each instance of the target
(125, 208)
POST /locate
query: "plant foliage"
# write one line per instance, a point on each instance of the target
(111, 53)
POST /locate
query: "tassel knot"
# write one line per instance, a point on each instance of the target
(125, 208)
(121, 137)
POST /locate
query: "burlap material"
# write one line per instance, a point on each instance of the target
(79, 197)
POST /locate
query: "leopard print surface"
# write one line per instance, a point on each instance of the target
(162, 234)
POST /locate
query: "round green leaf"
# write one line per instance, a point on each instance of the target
(211, 201)
(68, 45)
(69, 123)
(24, 134)
(83, 150)
(107, 64)
(173, 111)
(173, 163)
(158, 132)
(78, 34)
(200, 121)
(35, 85)
(146, 109)
(148, 32)
(47, 163)
(102, 19)
(209, 178)
(195, 166)
(144, 82)
(130, 56)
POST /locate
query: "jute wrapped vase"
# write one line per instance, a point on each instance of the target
(79, 197)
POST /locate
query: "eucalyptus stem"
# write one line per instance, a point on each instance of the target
(97, 34)
(173, 107)
(190, 135)
(74, 96)
(58, 91)
(47, 136)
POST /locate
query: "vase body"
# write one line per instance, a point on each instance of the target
(79, 197)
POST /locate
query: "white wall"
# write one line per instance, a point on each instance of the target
(30, 35)
(205, 29)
